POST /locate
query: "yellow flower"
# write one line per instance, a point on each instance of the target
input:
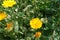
(37, 34)
(35, 23)
(9, 26)
(8, 3)
(2, 15)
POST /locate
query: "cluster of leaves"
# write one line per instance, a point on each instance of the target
(24, 11)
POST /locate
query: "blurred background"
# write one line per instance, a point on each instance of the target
(16, 25)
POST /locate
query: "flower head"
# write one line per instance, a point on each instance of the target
(37, 34)
(35, 23)
(2, 15)
(9, 26)
(8, 3)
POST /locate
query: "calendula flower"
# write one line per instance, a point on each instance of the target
(8, 3)
(35, 23)
(2, 15)
(9, 26)
(37, 34)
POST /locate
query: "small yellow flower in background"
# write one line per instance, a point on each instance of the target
(37, 34)
(2, 15)
(9, 26)
(8, 3)
(35, 23)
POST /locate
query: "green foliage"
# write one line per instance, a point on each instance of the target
(23, 12)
